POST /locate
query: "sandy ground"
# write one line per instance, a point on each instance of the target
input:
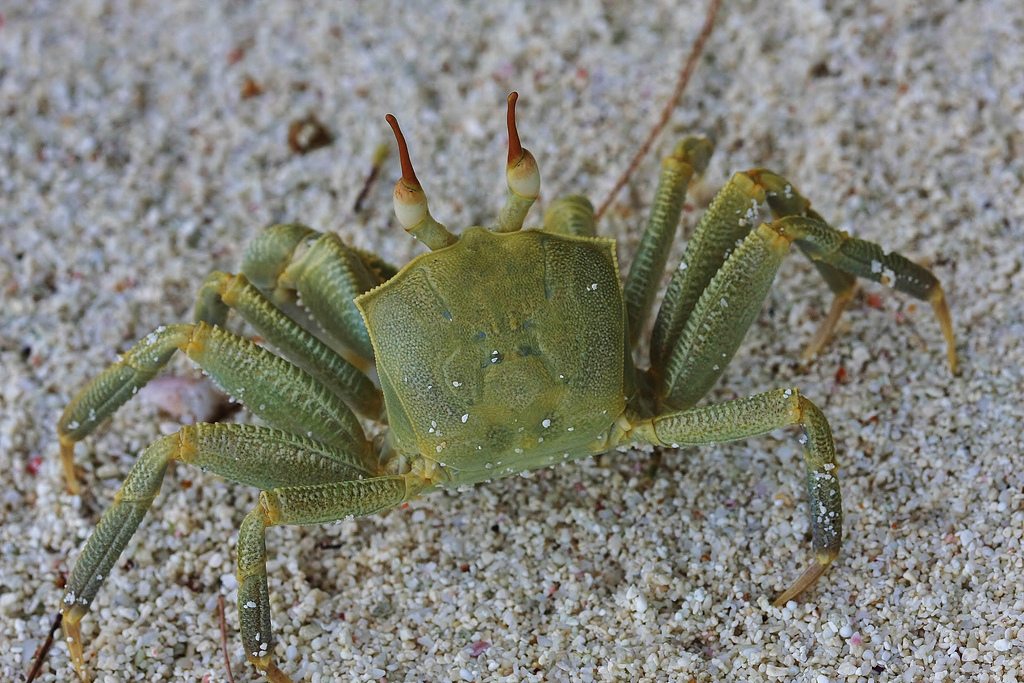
(133, 164)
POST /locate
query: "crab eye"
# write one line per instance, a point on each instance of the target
(521, 173)
(411, 202)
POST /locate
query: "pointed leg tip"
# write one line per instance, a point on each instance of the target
(806, 580)
(67, 459)
(71, 625)
(809, 353)
(781, 601)
(265, 663)
(951, 355)
(825, 331)
(941, 308)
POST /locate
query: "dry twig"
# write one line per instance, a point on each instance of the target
(42, 650)
(224, 636)
(684, 79)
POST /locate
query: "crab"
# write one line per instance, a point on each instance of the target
(499, 351)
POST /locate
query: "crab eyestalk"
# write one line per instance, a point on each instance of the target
(522, 175)
(411, 201)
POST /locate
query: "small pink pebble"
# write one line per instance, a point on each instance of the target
(186, 399)
(856, 640)
(33, 464)
(477, 648)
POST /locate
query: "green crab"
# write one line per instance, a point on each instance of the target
(501, 350)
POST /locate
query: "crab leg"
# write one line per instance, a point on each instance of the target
(292, 264)
(279, 392)
(720, 318)
(571, 215)
(727, 220)
(256, 456)
(299, 505)
(844, 288)
(689, 157)
(222, 291)
(761, 414)
(841, 258)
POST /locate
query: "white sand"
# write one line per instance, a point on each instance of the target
(131, 167)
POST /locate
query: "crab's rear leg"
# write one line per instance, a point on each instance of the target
(271, 387)
(757, 415)
(256, 456)
(841, 258)
(844, 288)
(690, 157)
(720, 318)
(725, 223)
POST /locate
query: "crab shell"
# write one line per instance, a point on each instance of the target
(503, 352)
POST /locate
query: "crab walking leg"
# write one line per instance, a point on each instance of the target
(761, 414)
(572, 215)
(785, 201)
(730, 218)
(689, 157)
(844, 287)
(279, 392)
(300, 505)
(378, 267)
(839, 258)
(293, 264)
(721, 317)
(222, 291)
(256, 456)
(835, 252)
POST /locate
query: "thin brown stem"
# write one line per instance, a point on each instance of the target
(43, 650)
(224, 636)
(379, 156)
(684, 79)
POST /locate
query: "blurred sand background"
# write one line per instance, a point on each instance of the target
(144, 143)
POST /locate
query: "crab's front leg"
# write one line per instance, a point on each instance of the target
(300, 505)
(255, 456)
(315, 275)
(223, 291)
(757, 415)
(571, 215)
